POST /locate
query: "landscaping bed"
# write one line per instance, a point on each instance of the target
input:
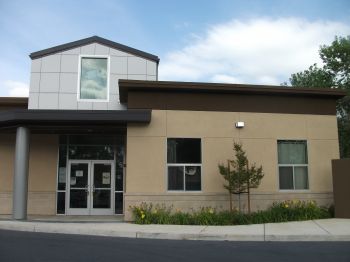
(292, 210)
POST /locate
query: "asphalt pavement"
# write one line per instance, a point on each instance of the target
(33, 246)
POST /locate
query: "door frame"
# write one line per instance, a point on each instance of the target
(90, 210)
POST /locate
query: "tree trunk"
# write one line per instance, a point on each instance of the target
(248, 199)
(239, 202)
(230, 193)
(248, 189)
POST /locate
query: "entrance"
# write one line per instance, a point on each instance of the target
(90, 187)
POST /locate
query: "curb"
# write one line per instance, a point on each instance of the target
(235, 233)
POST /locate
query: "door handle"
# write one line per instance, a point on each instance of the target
(87, 189)
(93, 188)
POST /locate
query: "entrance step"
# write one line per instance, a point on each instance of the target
(72, 219)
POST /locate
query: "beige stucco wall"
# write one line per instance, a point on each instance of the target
(146, 155)
(42, 174)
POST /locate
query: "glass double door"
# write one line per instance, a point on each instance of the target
(90, 187)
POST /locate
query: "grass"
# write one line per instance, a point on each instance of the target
(279, 212)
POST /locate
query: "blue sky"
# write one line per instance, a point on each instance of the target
(260, 42)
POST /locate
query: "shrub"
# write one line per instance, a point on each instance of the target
(294, 210)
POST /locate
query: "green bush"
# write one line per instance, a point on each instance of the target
(279, 212)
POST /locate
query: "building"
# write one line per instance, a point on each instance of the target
(99, 134)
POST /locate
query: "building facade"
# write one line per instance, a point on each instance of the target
(99, 133)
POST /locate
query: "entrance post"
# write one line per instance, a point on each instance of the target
(20, 179)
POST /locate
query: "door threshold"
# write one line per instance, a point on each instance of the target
(77, 219)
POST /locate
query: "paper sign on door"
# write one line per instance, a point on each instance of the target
(106, 178)
(73, 181)
(79, 173)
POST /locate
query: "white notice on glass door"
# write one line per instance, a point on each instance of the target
(106, 178)
(73, 181)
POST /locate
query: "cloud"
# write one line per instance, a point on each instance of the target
(257, 51)
(16, 88)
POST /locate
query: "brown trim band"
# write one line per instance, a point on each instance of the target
(126, 86)
(232, 103)
(9, 103)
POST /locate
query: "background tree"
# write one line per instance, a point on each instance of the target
(239, 176)
(335, 73)
(312, 77)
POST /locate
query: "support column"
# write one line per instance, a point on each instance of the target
(20, 179)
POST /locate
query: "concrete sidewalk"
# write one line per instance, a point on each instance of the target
(314, 230)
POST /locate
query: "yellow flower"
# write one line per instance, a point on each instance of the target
(142, 216)
(211, 211)
(286, 206)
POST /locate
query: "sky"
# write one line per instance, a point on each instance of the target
(251, 41)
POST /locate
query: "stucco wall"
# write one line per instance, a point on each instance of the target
(54, 78)
(42, 174)
(146, 155)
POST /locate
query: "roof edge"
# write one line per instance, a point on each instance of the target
(89, 40)
(9, 100)
(198, 87)
(67, 117)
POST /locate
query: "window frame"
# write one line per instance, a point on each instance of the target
(293, 167)
(184, 168)
(79, 78)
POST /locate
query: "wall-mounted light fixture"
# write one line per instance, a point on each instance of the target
(239, 124)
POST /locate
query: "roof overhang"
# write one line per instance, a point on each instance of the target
(72, 118)
(90, 40)
(126, 86)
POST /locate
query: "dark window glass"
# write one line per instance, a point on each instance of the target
(79, 175)
(63, 139)
(94, 140)
(119, 179)
(62, 166)
(118, 203)
(102, 176)
(102, 198)
(78, 199)
(61, 202)
(286, 177)
(193, 178)
(91, 152)
(175, 178)
(184, 150)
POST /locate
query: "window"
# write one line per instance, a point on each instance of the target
(293, 165)
(94, 78)
(184, 164)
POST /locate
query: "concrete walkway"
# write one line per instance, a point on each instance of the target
(314, 230)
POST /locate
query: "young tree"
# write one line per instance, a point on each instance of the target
(334, 74)
(239, 176)
(253, 179)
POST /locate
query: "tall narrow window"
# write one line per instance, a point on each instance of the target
(293, 165)
(94, 78)
(184, 164)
